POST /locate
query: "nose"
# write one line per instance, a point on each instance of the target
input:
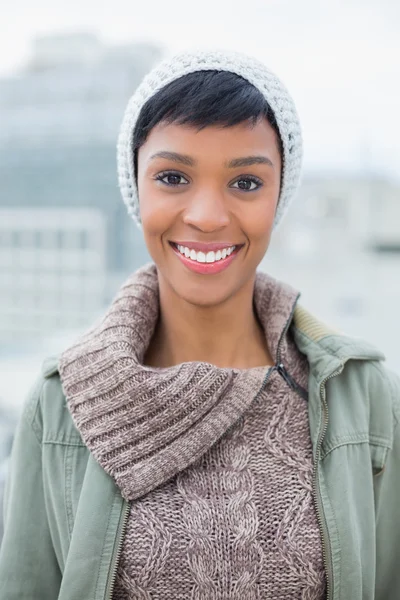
(207, 211)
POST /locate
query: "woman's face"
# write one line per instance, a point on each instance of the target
(202, 193)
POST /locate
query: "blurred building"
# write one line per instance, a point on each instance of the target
(52, 269)
(59, 122)
(55, 51)
(342, 214)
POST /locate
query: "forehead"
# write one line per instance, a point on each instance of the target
(216, 141)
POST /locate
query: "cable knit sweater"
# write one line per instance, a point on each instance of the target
(216, 463)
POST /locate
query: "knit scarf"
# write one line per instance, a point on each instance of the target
(144, 424)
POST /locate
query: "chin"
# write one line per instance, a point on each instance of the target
(205, 298)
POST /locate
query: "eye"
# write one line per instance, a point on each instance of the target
(171, 178)
(247, 183)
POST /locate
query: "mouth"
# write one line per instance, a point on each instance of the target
(206, 259)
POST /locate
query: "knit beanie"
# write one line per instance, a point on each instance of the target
(247, 67)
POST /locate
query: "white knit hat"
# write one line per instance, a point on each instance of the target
(247, 67)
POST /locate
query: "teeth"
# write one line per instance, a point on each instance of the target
(201, 257)
(210, 257)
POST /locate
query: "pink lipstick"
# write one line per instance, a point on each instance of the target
(204, 267)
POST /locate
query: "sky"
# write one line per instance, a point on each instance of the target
(252, 25)
(340, 59)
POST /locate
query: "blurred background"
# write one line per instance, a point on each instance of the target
(67, 71)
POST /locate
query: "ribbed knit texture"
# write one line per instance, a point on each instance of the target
(217, 462)
(273, 90)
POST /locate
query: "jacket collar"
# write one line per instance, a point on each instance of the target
(327, 348)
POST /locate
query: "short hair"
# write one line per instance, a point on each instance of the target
(202, 99)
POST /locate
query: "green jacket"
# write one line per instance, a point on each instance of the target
(65, 518)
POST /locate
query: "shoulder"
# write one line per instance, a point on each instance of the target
(46, 408)
(315, 336)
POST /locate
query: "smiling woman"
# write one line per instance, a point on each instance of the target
(200, 440)
(223, 193)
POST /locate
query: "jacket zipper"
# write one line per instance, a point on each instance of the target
(317, 499)
(326, 549)
(112, 576)
(291, 382)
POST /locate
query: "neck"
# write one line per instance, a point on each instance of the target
(228, 335)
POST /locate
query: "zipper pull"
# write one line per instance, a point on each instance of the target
(291, 382)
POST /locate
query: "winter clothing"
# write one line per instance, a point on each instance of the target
(66, 519)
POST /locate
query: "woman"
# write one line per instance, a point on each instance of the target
(209, 438)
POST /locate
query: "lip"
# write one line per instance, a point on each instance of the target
(206, 246)
(206, 268)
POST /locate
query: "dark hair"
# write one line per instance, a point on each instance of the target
(201, 99)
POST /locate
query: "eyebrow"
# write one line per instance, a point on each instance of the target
(247, 161)
(175, 157)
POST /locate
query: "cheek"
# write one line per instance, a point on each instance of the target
(258, 221)
(156, 212)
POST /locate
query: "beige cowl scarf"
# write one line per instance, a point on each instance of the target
(217, 463)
